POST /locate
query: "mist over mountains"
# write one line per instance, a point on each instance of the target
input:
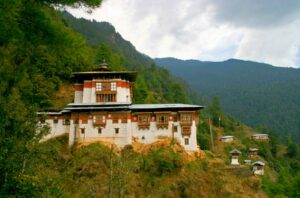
(255, 93)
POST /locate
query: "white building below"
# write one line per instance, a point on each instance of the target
(235, 157)
(258, 168)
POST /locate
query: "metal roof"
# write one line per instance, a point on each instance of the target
(258, 163)
(130, 75)
(50, 113)
(135, 107)
(111, 106)
(164, 106)
(226, 136)
(260, 134)
(235, 151)
(108, 104)
(107, 108)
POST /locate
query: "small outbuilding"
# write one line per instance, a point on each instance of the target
(235, 156)
(253, 152)
(227, 138)
(258, 168)
(260, 136)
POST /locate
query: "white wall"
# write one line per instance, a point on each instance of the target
(87, 92)
(55, 129)
(93, 94)
(78, 96)
(126, 132)
(88, 95)
(153, 134)
(108, 132)
(123, 94)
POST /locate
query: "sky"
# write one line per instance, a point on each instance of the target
(265, 31)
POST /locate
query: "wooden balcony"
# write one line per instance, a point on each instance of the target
(185, 130)
(162, 125)
(99, 124)
(144, 125)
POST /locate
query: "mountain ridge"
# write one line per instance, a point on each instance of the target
(269, 95)
(196, 61)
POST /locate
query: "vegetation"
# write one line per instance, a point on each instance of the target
(255, 93)
(282, 159)
(161, 172)
(38, 53)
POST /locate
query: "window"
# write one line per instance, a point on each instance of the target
(67, 120)
(55, 121)
(144, 121)
(143, 118)
(99, 130)
(162, 119)
(106, 98)
(186, 141)
(106, 86)
(114, 86)
(82, 130)
(99, 119)
(115, 118)
(98, 87)
(186, 118)
(117, 130)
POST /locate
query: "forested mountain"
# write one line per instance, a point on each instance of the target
(255, 93)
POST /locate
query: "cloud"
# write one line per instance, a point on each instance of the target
(278, 47)
(256, 13)
(265, 31)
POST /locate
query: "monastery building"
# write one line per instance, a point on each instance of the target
(103, 111)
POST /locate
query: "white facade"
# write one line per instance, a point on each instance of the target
(87, 92)
(57, 128)
(235, 160)
(260, 137)
(258, 168)
(123, 95)
(122, 134)
(235, 157)
(258, 171)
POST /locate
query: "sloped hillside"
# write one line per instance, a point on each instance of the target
(94, 170)
(255, 93)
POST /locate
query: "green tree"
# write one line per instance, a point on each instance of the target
(292, 148)
(37, 52)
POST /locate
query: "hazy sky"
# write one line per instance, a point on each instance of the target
(259, 30)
